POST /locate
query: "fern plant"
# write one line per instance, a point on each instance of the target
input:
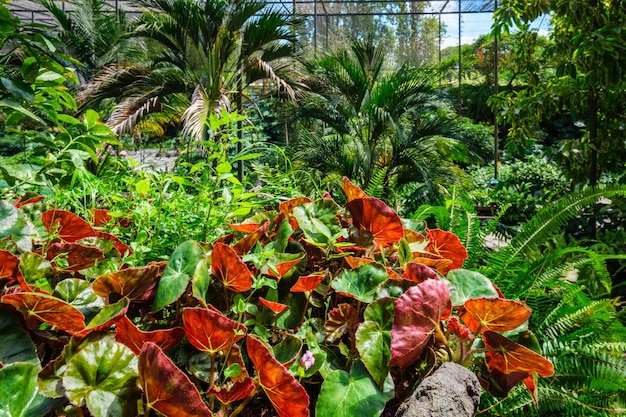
(577, 326)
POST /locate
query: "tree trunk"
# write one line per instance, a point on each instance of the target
(452, 391)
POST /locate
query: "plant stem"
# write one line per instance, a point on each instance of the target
(243, 405)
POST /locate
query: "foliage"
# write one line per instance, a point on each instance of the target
(310, 297)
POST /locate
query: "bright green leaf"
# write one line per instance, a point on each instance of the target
(361, 282)
(13, 224)
(15, 344)
(465, 285)
(177, 274)
(19, 395)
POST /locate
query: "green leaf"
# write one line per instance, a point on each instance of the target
(15, 343)
(352, 394)
(13, 224)
(78, 293)
(19, 395)
(104, 374)
(18, 108)
(177, 274)
(36, 270)
(283, 234)
(361, 282)
(465, 285)
(201, 280)
(91, 118)
(142, 187)
(30, 69)
(288, 349)
(19, 89)
(373, 338)
(318, 220)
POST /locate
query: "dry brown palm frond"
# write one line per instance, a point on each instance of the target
(195, 116)
(257, 64)
(129, 112)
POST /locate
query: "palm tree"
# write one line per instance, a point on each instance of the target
(206, 53)
(382, 128)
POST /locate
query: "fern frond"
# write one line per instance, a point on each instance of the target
(375, 187)
(566, 323)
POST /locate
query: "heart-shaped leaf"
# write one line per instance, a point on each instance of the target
(508, 357)
(378, 218)
(373, 338)
(352, 191)
(19, 395)
(342, 320)
(497, 314)
(47, 309)
(446, 245)
(167, 389)
(360, 282)
(230, 269)
(286, 209)
(129, 335)
(276, 308)
(104, 375)
(308, 282)
(281, 264)
(177, 274)
(36, 272)
(9, 266)
(286, 394)
(417, 272)
(73, 256)
(133, 283)
(466, 284)
(66, 225)
(318, 221)
(417, 312)
(78, 293)
(15, 343)
(210, 331)
(232, 392)
(13, 224)
(351, 394)
(244, 245)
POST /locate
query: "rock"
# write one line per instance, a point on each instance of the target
(451, 391)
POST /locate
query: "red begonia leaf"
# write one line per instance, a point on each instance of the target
(506, 356)
(446, 245)
(232, 392)
(230, 269)
(47, 309)
(234, 357)
(417, 272)
(134, 283)
(308, 282)
(167, 389)
(531, 385)
(378, 218)
(128, 334)
(68, 226)
(78, 256)
(417, 312)
(288, 397)
(498, 384)
(354, 262)
(459, 329)
(276, 308)
(9, 266)
(244, 227)
(278, 267)
(210, 331)
(100, 217)
(352, 191)
(497, 314)
(441, 265)
(122, 248)
(343, 319)
(27, 200)
(244, 245)
(286, 209)
(412, 236)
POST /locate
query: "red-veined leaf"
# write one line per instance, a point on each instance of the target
(506, 356)
(417, 313)
(276, 308)
(230, 269)
(134, 283)
(9, 266)
(100, 217)
(497, 314)
(497, 383)
(308, 282)
(352, 191)
(459, 329)
(27, 200)
(441, 265)
(210, 331)
(280, 269)
(343, 319)
(167, 389)
(446, 245)
(232, 392)
(286, 394)
(68, 226)
(417, 272)
(47, 309)
(376, 217)
(122, 248)
(244, 245)
(128, 334)
(244, 227)
(78, 256)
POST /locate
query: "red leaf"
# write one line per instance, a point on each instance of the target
(417, 312)
(343, 319)
(441, 265)
(531, 385)
(9, 267)
(134, 283)
(308, 282)
(97, 324)
(282, 268)
(286, 209)
(286, 394)
(412, 236)
(68, 226)
(129, 335)
(354, 262)
(121, 248)
(230, 269)
(78, 256)
(47, 309)
(167, 389)
(459, 329)
(377, 218)
(234, 357)
(352, 191)
(417, 272)
(497, 314)
(244, 227)
(210, 331)
(506, 356)
(29, 200)
(277, 308)
(232, 392)
(446, 245)
(100, 217)
(244, 245)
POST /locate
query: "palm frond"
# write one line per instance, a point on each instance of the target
(128, 113)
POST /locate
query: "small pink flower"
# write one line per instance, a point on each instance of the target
(123, 153)
(307, 360)
(111, 151)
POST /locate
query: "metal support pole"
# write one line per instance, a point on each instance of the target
(496, 83)
(460, 59)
